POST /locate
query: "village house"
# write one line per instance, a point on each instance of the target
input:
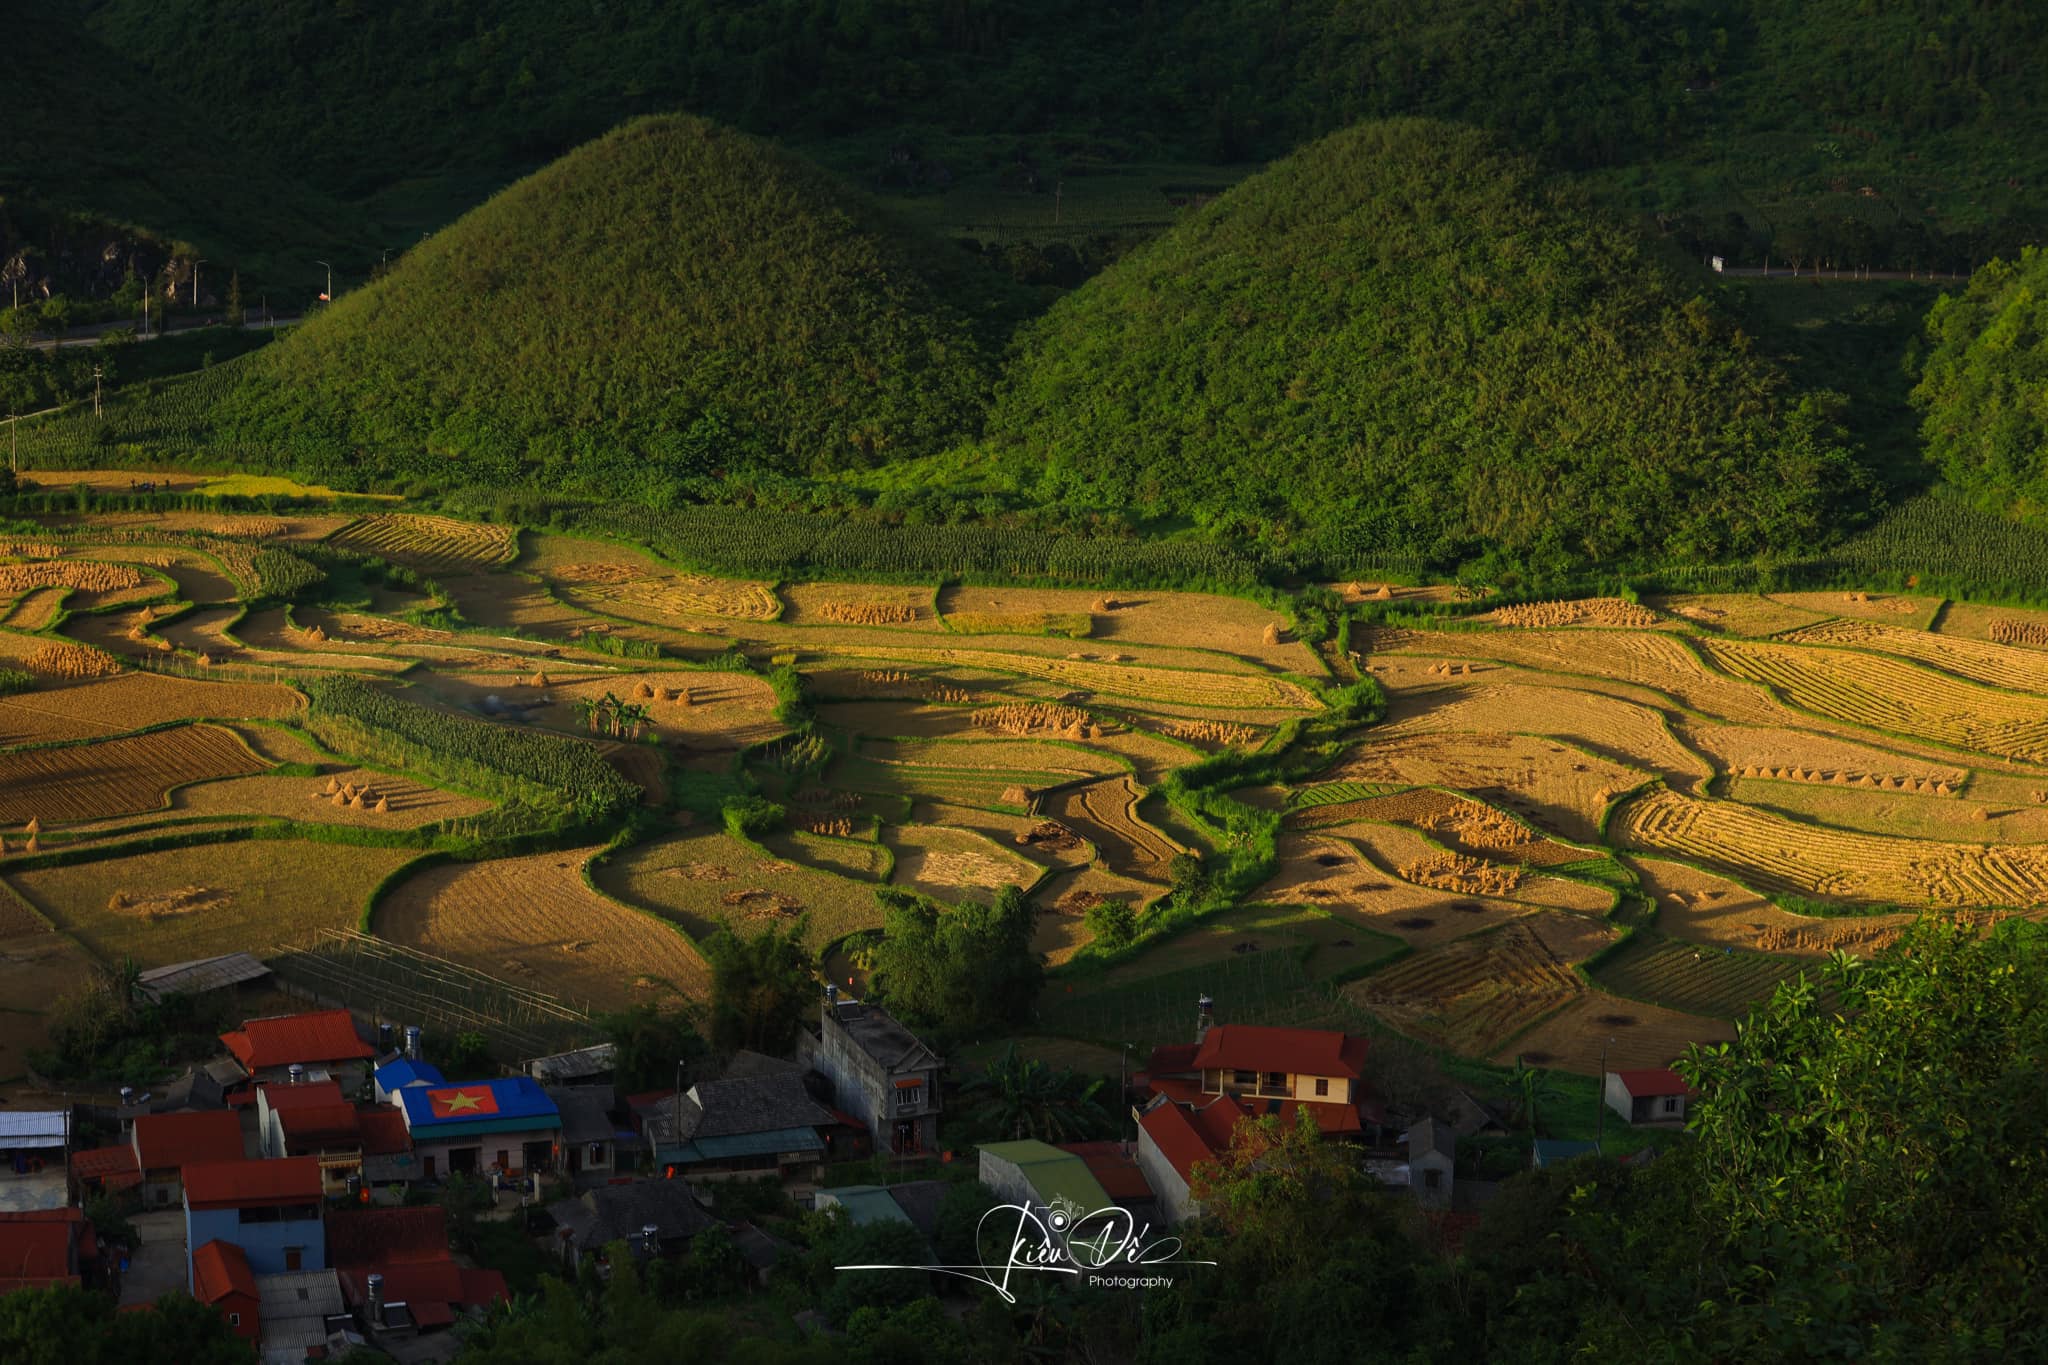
(46, 1248)
(395, 1267)
(880, 1074)
(1432, 1163)
(270, 1209)
(1658, 1096)
(589, 1136)
(300, 1312)
(399, 1073)
(1275, 1070)
(507, 1125)
(1042, 1178)
(165, 1144)
(740, 1127)
(663, 1213)
(388, 1160)
(585, 1066)
(324, 1043)
(1172, 1141)
(222, 1280)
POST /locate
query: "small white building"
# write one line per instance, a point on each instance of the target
(1650, 1097)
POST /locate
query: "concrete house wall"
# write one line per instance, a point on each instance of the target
(1175, 1201)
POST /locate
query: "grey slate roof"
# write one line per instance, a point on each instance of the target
(746, 1063)
(564, 1067)
(1427, 1135)
(919, 1200)
(610, 1213)
(875, 1031)
(744, 1104)
(586, 1111)
(1466, 1116)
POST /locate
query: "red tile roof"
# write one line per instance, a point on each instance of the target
(281, 1096)
(323, 1036)
(320, 1122)
(1653, 1084)
(378, 1238)
(1118, 1174)
(220, 1269)
(1296, 1051)
(244, 1184)
(166, 1141)
(1176, 1088)
(37, 1254)
(483, 1286)
(97, 1163)
(88, 1243)
(1172, 1060)
(1177, 1138)
(383, 1129)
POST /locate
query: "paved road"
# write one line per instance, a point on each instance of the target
(89, 336)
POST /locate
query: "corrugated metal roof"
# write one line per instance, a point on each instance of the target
(511, 1097)
(319, 1036)
(201, 975)
(33, 1127)
(769, 1143)
(1052, 1173)
(865, 1204)
(568, 1066)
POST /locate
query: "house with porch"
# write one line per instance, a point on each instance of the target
(272, 1210)
(1270, 1070)
(507, 1125)
(880, 1073)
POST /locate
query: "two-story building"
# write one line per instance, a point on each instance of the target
(881, 1074)
(270, 1209)
(507, 1125)
(589, 1136)
(740, 1126)
(1276, 1069)
(165, 1144)
(324, 1044)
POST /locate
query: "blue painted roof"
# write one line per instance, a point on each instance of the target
(866, 1204)
(401, 1073)
(509, 1097)
(769, 1143)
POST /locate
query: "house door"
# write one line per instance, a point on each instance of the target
(427, 1167)
(294, 1257)
(504, 1161)
(906, 1136)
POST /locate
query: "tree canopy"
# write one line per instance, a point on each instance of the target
(969, 970)
(1985, 386)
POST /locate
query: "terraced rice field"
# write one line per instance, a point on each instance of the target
(173, 905)
(708, 881)
(953, 865)
(1337, 875)
(1104, 813)
(1564, 787)
(433, 545)
(1701, 907)
(1775, 853)
(1694, 978)
(534, 921)
(1471, 995)
(116, 776)
(2013, 667)
(1186, 686)
(129, 701)
(1627, 1033)
(1885, 693)
(661, 598)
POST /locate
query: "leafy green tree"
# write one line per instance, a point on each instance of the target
(469, 1055)
(760, 987)
(1981, 384)
(1112, 924)
(750, 817)
(647, 1043)
(1023, 1097)
(968, 970)
(69, 1326)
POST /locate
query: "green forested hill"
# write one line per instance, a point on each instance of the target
(1985, 387)
(1403, 341)
(670, 299)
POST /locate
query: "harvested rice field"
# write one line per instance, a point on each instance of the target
(130, 701)
(1700, 907)
(246, 895)
(1105, 814)
(535, 922)
(1560, 787)
(896, 606)
(954, 865)
(1634, 1034)
(708, 881)
(433, 545)
(1337, 875)
(1471, 995)
(1734, 613)
(1224, 625)
(97, 779)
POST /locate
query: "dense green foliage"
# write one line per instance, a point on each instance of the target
(547, 772)
(1985, 386)
(761, 985)
(647, 1044)
(670, 301)
(1402, 340)
(969, 971)
(71, 1326)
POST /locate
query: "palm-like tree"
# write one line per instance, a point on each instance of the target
(1533, 1089)
(1026, 1098)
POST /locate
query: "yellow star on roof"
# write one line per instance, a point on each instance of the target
(461, 1099)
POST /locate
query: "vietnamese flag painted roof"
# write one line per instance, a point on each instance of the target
(496, 1102)
(462, 1102)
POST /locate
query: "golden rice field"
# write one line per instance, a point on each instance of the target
(97, 779)
(433, 545)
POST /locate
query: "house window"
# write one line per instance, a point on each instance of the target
(1322, 1085)
(1671, 1105)
(1432, 1180)
(909, 1097)
(234, 1319)
(597, 1154)
(1244, 1078)
(292, 1257)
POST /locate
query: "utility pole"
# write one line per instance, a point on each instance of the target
(1123, 1091)
(195, 283)
(1058, 188)
(327, 297)
(1600, 1114)
(98, 368)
